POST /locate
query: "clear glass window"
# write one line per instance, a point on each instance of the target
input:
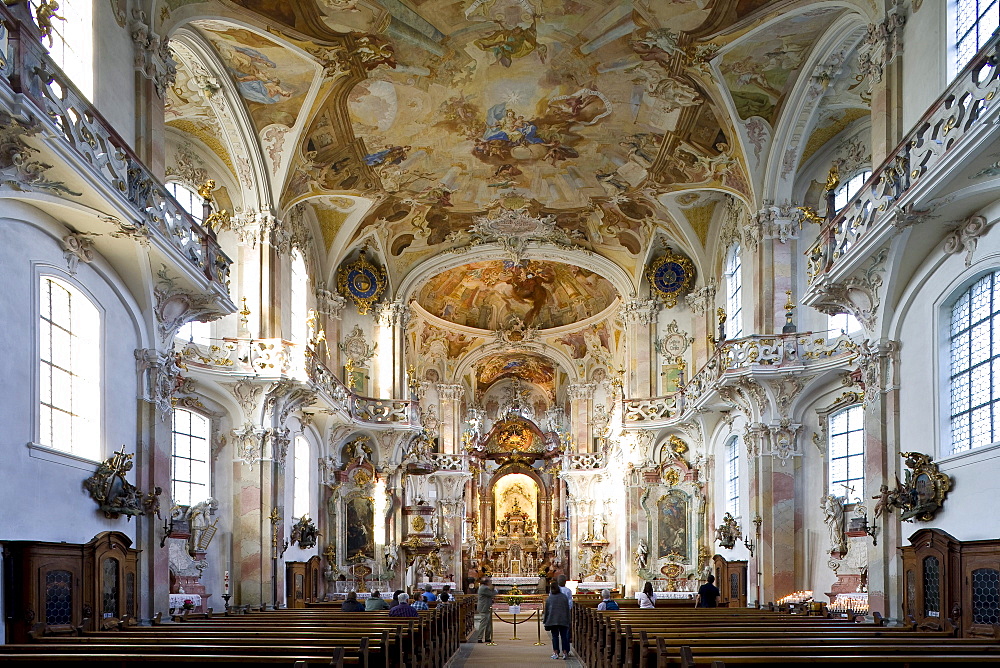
(300, 287)
(975, 22)
(734, 294)
(301, 489)
(733, 476)
(190, 471)
(72, 42)
(848, 189)
(975, 365)
(70, 370)
(846, 431)
(196, 332)
(842, 323)
(188, 198)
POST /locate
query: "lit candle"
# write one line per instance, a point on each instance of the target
(225, 583)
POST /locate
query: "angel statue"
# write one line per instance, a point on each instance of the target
(642, 554)
(391, 557)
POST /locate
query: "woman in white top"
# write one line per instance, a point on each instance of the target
(647, 599)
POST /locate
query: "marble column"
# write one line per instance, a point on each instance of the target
(579, 414)
(883, 71)
(451, 417)
(640, 321)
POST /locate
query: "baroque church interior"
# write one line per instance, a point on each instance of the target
(311, 297)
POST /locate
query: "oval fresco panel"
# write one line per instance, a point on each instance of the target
(542, 295)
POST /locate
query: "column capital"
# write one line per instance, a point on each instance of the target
(454, 392)
(643, 311)
(577, 391)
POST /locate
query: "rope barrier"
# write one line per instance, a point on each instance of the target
(514, 622)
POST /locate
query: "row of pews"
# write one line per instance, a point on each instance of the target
(727, 637)
(320, 636)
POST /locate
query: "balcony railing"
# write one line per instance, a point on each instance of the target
(964, 109)
(277, 358)
(761, 353)
(66, 118)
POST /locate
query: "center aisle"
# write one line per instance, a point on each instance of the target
(507, 652)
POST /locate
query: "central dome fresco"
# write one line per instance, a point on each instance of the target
(542, 295)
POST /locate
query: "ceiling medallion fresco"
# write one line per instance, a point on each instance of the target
(487, 295)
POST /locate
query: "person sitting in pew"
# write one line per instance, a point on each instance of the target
(607, 603)
(420, 604)
(443, 598)
(352, 604)
(403, 609)
(428, 594)
(376, 602)
(708, 595)
(647, 599)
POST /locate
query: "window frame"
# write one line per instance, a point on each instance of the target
(60, 58)
(830, 456)
(851, 186)
(948, 335)
(952, 37)
(298, 329)
(732, 474)
(197, 203)
(734, 269)
(207, 450)
(302, 484)
(41, 273)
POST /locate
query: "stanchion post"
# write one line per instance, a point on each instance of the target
(538, 628)
(515, 628)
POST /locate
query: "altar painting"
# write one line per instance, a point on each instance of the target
(673, 524)
(360, 529)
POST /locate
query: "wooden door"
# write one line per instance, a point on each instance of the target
(980, 599)
(295, 582)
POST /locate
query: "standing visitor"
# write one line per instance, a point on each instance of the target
(708, 595)
(484, 611)
(556, 621)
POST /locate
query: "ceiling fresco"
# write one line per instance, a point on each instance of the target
(542, 295)
(524, 366)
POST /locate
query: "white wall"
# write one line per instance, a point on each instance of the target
(44, 499)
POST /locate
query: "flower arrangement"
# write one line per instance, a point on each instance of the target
(515, 597)
(188, 604)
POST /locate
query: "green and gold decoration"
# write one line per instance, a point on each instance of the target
(671, 276)
(362, 281)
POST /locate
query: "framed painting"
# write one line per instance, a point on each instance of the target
(673, 524)
(359, 539)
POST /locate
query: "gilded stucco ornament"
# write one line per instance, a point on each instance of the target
(115, 495)
(921, 495)
(670, 276)
(363, 282)
(728, 532)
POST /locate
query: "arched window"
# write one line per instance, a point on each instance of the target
(846, 449)
(72, 42)
(849, 188)
(70, 370)
(975, 365)
(842, 323)
(733, 476)
(975, 21)
(190, 469)
(301, 488)
(734, 294)
(299, 329)
(188, 198)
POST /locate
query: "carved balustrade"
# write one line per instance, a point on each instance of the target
(33, 90)
(584, 461)
(755, 353)
(445, 462)
(962, 116)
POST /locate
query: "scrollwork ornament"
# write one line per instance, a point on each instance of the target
(670, 276)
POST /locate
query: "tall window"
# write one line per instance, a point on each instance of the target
(188, 198)
(975, 21)
(73, 42)
(847, 452)
(733, 476)
(975, 365)
(70, 370)
(190, 474)
(196, 332)
(300, 286)
(734, 294)
(301, 489)
(849, 188)
(842, 323)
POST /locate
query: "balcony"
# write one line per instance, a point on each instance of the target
(277, 359)
(907, 187)
(55, 139)
(752, 355)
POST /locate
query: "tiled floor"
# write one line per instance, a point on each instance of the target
(522, 653)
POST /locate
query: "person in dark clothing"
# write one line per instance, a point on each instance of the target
(708, 595)
(556, 621)
(352, 604)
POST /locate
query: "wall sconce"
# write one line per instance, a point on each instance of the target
(870, 530)
(168, 528)
(749, 544)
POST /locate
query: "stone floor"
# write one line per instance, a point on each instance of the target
(508, 652)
